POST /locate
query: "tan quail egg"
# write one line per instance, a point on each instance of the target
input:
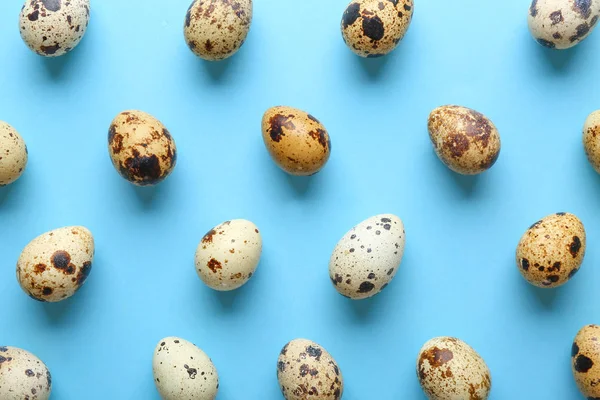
(23, 375)
(52, 28)
(13, 154)
(228, 254)
(585, 361)
(551, 251)
(373, 28)
(306, 371)
(216, 29)
(561, 24)
(53, 266)
(367, 258)
(297, 142)
(141, 148)
(465, 140)
(591, 139)
(182, 371)
(449, 369)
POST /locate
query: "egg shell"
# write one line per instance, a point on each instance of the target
(52, 28)
(53, 266)
(373, 28)
(228, 254)
(306, 371)
(141, 148)
(297, 142)
(367, 258)
(182, 371)
(465, 140)
(13, 154)
(585, 361)
(216, 29)
(551, 251)
(449, 369)
(591, 139)
(23, 375)
(561, 24)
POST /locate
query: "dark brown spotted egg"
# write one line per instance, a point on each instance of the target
(53, 266)
(141, 148)
(591, 139)
(550, 253)
(52, 28)
(216, 29)
(298, 143)
(13, 154)
(464, 139)
(23, 375)
(585, 361)
(306, 371)
(373, 28)
(561, 24)
(450, 369)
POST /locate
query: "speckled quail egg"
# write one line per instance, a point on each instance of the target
(464, 139)
(560, 24)
(298, 143)
(228, 254)
(141, 149)
(449, 369)
(216, 29)
(53, 266)
(591, 139)
(183, 372)
(305, 370)
(52, 28)
(367, 258)
(373, 28)
(23, 375)
(550, 253)
(585, 361)
(13, 154)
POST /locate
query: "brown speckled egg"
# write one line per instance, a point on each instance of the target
(52, 28)
(53, 266)
(141, 148)
(591, 139)
(464, 139)
(561, 24)
(297, 141)
(13, 154)
(550, 253)
(228, 254)
(306, 371)
(585, 361)
(449, 369)
(216, 29)
(23, 376)
(373, 28)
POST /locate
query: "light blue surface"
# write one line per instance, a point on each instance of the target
(458, 276)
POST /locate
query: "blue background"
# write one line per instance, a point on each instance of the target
(458, 276)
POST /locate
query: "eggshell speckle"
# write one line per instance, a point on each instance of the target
(591, 139)
(298, 143)
(551, 251)
(449, 369)
(367, 258)
(585, 361)
(13, 154)
(141, 148)
(53, 266)
(183, 372)
(561, 24)
(52, 28)
(306, 371)
(23, 375)
(373, 28)
(216, 29)
(228, 254)
(464, 139)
